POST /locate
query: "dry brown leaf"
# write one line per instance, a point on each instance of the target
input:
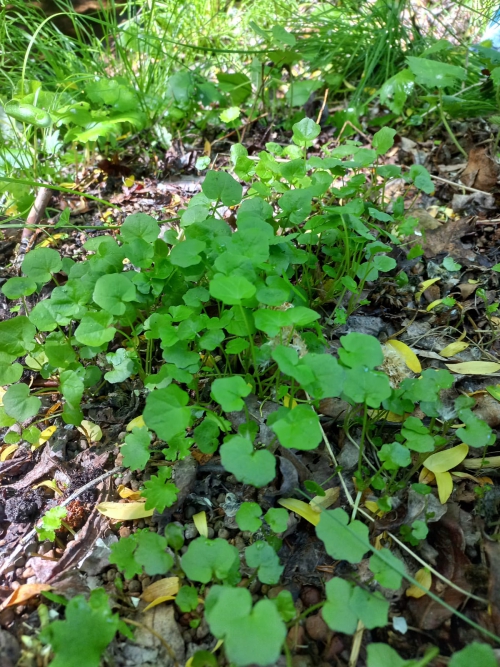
(161, 588)
(24, 593)
(481, 171)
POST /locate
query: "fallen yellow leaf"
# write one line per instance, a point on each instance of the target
(407, 354)
(289, 402)
(161, 588)
(137, 422)
(24, 593)
(54, 237)
(480, 480)
(50, 484)
(424, 578)
(45, 436)
(488, 462)
(447, 459)
(91, 431)
(474, 367)
(453, 348)
(424, 286)
(8, 451)
(163, 598)
(200, 521)
(124, 511)
(444, 483)
(301, 508)
(432, 305)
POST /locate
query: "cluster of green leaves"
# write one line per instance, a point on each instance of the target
(236, 309)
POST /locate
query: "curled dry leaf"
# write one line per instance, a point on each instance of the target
(24, 593)
(424, 578)
(124, 511)
(161, 588)
(324, 502)
(160, 600)
(481, 171)
(488, 462)
(7, 452)
(125, 492)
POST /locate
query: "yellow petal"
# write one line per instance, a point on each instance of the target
(424, 286)
(424, 578)
(302, 509)
(494, 390)
(24, 593)
(50, 484)
(163, 598)
(137, 422)
(161, 588)
(372, 506)
(432, 305)
(125, 492)
(444, 483)
(8, 451)
(474, 367)
(454, 348)
(200, 521)
(407, 354)
(91, 431)
(447, 459)
(331, 496)
(46, 434)
(124, 511)
(289, 402)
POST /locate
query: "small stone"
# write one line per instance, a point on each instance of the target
(19, 572)
(218, 525)
(316, 628)
(247, 535)
(239, 542)
(141, 524)
(310, 596)
(111, 575)
(210, 533)
(15, 585)
(145, 583)
(20, 561)
(333, 649)
(28, 572)
(223, 533)
(254, 586)
(124, 531)
(84, 444)
(202, 630)
(190, 531)
(134, 586)
(221, 498)
(122, 435)
(44, 548)
(10, 650)
(264, 589)
(189, 512)
(7, 617)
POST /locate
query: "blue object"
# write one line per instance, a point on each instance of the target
(492, 32)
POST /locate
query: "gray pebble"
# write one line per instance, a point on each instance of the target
(190, 511)
(44, 548)
(223, 533)
(210, 533)
(190, 531)
(20, 561)
(239, 542)
(111, 575)
(30, 549)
